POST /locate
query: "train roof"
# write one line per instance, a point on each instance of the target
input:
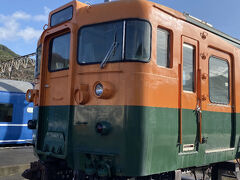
(209, 28)
(183, 16)
(7, 85)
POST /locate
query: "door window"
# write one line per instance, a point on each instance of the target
(188, 67)
(59, 53)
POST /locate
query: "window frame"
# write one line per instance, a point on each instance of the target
(123, 59)
(50, 43)
(169, 49)
(229, 89)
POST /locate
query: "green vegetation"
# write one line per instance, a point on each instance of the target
(6, 54)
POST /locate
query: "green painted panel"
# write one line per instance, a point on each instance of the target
(217, 127)
(53, 130)
(142, 141)
(189, 126)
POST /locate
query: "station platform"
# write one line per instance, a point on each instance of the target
(14, 160)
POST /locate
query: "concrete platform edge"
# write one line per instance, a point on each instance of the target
(11, 170)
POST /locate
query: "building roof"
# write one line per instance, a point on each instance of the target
(7, 85)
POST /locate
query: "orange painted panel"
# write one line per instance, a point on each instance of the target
(142, 84)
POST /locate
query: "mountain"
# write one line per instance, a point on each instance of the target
(6, 54)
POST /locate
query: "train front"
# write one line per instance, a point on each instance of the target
(94, 59)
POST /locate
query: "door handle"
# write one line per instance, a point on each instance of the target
(198, 113)
(198, 109)
(199, 121)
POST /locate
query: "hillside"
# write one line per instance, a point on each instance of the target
(6, 53)
(23, 70)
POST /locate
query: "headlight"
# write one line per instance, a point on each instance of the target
(99, 89)
(103, 89)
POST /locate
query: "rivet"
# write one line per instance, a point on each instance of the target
(204, 35)
(203, 56)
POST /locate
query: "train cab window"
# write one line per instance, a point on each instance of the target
(163, 51)
(188, 67)
(218, 80)
(38, 60)
(118, 41)
(99, 40)
(59, 52)
(6, 112)
(138, 40)
(62, 16)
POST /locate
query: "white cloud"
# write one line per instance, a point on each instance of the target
(29, 33)
(11, 29)
(21, 15)
(46, 10)
(42, 17)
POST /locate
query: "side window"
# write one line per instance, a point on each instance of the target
(188, 75)
(59, 53)
(218, 80)
(163, 47)
(6, 112)
(38, 60)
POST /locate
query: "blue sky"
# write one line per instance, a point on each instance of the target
(21, 21)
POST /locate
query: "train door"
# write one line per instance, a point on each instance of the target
(56, 70)
(217, 105)
(55, 109)
(189, 96)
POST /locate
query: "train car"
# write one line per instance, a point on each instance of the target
(133, 89)
(15, 112)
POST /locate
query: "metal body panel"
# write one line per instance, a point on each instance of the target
(143, 140)
(148, 111)
(16, 131)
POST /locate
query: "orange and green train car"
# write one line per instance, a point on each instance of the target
(133, 89)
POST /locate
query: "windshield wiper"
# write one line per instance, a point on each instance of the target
(110, 52)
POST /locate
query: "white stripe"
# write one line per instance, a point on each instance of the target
(219, 150)
(21, 140)
(13, 124)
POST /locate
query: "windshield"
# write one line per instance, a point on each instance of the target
(138, 40)
(106, 42)
(96, 40)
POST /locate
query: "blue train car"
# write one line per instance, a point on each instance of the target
(15, 112)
